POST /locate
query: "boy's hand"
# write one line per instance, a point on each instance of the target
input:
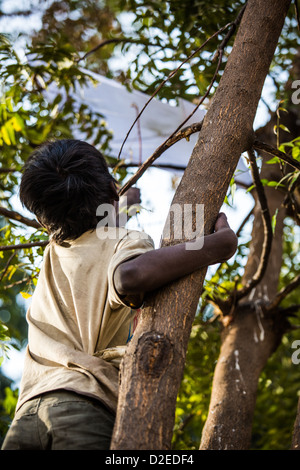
(221, 222)
(228, 238)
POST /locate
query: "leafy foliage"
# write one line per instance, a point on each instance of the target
(194, 394)
(138, 43)
(277, 398)
(4, 338)
(29, 115)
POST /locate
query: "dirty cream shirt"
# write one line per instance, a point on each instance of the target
(78, 324)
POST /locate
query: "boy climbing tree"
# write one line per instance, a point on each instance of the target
(93, 279)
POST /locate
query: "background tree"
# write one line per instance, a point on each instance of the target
(159, 37)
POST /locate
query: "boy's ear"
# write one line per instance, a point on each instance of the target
(114, 191)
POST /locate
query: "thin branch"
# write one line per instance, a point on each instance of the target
(242, 184)
(268, 233)
(231, 31)
(165, 166)
(281, 295)
(139, 133)
(244, 223)
(291, 310)
(171, 75)
(20, 218)
(17, 283)
(169, 141)
(185, 422)
(257, 145)
(23, 246)
(116, 41)
(291, 202)
(8, 170)
(7, 266)
(183, 134)
(16, 13)
(287, 159)
(266, 105)
(164, 146)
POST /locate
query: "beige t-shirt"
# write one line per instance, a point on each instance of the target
(78, 324)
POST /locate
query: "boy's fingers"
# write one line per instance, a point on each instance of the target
(221, 221)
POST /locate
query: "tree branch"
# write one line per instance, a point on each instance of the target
(183, 134)
(280, 296)
(23, 246)
(17, 283)
(257, 145)
(171, 74)
(7, 265)
(8, 170)
(290, 311)
(170, 140)
(116, 41)
(268, 233)
(20, 218)
(153, 364)
(231, 31)
(165, 166)
(164, 146)
(240, 229)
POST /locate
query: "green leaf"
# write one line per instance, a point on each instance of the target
(11, 132)
(18, 123)
(273, 160)
(25, 295)
(5, 135)
(295, 152)
(284, 128)
(232, 186)
(250, 188)
(226, 201)
(274, 219)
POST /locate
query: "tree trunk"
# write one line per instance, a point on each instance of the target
(296, 433)
(247, 343)
(238, 369)
(152, 369)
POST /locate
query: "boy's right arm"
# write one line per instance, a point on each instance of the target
(157, 268)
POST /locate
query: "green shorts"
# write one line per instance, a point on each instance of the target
(60, 420)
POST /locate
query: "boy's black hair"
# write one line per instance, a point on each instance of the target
(63, 183)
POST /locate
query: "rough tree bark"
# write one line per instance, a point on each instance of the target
(296, 433)
(248, 341)
(152, 369)
(253, 333)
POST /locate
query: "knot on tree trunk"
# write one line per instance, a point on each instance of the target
(155, 353)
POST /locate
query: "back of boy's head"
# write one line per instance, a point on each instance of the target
(63, 183)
